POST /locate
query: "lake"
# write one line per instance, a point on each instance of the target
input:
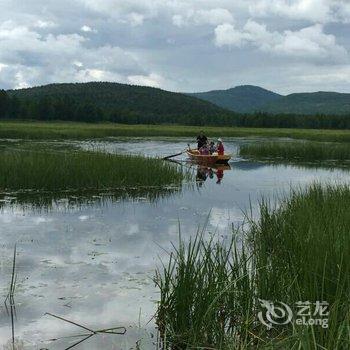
(93, 263)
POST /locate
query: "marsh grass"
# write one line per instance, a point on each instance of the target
(73, 130)
(79, 170)
(298, 251)
(305, 246)
(297, 151)
(199, 305)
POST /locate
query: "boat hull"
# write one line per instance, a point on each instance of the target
(215, 158)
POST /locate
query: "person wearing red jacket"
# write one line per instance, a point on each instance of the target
(220, 147)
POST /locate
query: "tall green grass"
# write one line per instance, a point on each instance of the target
(298, 251)
(72, 130)
(297, 151)
(205, 294)
(78, 170)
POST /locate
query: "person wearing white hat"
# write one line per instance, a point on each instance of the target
(220, 147)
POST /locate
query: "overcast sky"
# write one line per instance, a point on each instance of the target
(179, 45)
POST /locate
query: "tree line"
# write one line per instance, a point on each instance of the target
(69, 108)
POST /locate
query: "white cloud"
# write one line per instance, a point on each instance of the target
(308, 42)
(214, 16)
(44, 24)
(332, 75)
(29, 58)
(134, 11)
(77, 63)
(88, 29)
(227, 35)
(152, 79)
(179, 20)
(135, 19)
(21, 83)
(2, 66)
(342, 12)
(202, 17)
(316, 11)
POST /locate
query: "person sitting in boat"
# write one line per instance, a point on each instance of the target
(201, 140)
(212, 147)
(220, 148)
(204, 150)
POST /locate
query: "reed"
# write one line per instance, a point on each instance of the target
(79, 170)
(201, 299)
(305, 246)
(297, 251)
(297, 151)
(73, 130)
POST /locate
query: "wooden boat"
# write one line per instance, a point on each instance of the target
(214, 158)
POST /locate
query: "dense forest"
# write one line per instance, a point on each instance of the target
(120, 103)
(99, 102)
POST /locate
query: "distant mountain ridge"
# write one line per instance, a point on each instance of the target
(120, 102)
(249, 99)
(242, 99)
(321, 102)
(130, 104)
(114, 102)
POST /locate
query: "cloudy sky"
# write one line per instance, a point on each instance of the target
(179, 45)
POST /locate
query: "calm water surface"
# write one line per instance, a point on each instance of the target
(94, 264)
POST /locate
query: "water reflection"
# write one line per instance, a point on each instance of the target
(213, 173)
(70, 200)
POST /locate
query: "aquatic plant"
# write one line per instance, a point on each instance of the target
(297, 251)
(80, 170)
(297, 151)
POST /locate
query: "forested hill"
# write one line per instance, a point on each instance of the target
(120, 103)
(310, 103)
(251, 99)
(243, 99)
(98, 101)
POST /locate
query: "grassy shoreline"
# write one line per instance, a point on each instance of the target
(74, 130)
(299, 251)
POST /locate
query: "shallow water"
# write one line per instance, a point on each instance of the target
(93, 264)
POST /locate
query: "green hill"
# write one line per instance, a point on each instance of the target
(243, 99)
(113, 101)
(249, 99)
(330, 103)
(128, 104)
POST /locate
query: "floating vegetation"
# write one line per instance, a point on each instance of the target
(298, 151)
(298, 251)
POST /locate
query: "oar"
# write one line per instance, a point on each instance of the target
(173, 155)
(178, 154)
